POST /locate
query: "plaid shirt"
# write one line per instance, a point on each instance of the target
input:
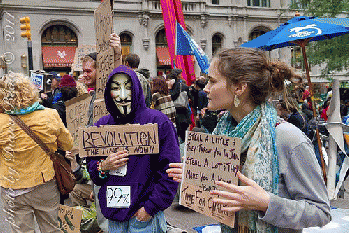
(165, 105)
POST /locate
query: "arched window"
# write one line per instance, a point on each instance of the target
(59, 44)
(258, 32)
(162, 53)
(260, 3)
(160, 38)
(217, 42)
(59, 35)
(126, 43)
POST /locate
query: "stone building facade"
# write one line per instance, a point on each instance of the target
(67, 24)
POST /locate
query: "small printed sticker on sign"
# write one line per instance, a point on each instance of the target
(118, 196)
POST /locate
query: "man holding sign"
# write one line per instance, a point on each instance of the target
(135, 189)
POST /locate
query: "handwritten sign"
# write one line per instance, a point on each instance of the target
(104, 140)
(209, 158)
(105, 53)
(77, 115)
(80, 52)
(69, 219)
(99, 110)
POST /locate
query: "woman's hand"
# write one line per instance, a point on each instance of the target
(251, 196)
(72, 158)
(175, 171)
(142, 215)
(115, 161)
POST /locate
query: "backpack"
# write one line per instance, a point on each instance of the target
(182, 101)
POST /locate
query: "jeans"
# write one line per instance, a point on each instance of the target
(156, 224)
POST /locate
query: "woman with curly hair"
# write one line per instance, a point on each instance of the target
(28, 187)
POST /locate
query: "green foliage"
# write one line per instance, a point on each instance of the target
(333, 53)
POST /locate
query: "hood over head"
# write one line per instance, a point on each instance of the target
(137, 102)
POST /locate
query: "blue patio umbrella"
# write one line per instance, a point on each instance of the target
(300, 31)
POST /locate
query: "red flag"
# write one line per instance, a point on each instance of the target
(172, 12)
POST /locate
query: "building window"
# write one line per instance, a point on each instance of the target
(126, 43)
(296, 4)
(217, 42)
(297, 58)
(260, 3)
(216, 2)
(59, 35)
(162, 53)
(257, 32)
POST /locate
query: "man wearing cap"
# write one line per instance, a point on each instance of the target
(89, 69)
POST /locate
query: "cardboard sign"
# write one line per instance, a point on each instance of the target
(69, 219)
(99, 110)
(77, 116)
(209, 158)
(105, 53)
(108, 139)
(80, 52)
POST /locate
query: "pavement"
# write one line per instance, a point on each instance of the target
(187, 220)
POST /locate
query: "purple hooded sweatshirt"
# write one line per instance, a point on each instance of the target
(151, 187)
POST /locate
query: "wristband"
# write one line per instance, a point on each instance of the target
(101, 174)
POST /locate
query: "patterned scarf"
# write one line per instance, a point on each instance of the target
(257, 131)
(32, 108)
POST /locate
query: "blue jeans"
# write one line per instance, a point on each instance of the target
(156, 224)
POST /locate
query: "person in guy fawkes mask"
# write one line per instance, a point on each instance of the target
(151, 190)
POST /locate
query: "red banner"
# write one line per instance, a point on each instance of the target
(58, 56)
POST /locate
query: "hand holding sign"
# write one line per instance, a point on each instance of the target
(115, 43)
(251, 196)
(175, 171)
(115, 161)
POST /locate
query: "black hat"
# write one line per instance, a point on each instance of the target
(174, 73)
(93, 56)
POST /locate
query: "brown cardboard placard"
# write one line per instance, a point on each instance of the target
(105, 54)
(69, 219)
(77, 116)
(107, 139)
(99, 110)
(80, 52)
(208, 158)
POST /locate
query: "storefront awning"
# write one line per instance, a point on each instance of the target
(58, 56)
(163, 56)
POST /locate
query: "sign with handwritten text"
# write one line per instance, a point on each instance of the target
(80, 52)
(99, 110)
(209, 158)
(69, 219)
(107, 139)
(105, 53)
(77, 115)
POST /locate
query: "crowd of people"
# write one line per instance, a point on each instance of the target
(281, 186)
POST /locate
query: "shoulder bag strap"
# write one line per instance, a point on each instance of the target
(30, 132)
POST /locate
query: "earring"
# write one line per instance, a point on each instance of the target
(236, 101)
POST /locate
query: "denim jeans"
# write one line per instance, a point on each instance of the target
(156, 224)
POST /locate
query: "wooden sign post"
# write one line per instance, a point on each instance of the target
(209, 158)
(105, 53)
(107, 139)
